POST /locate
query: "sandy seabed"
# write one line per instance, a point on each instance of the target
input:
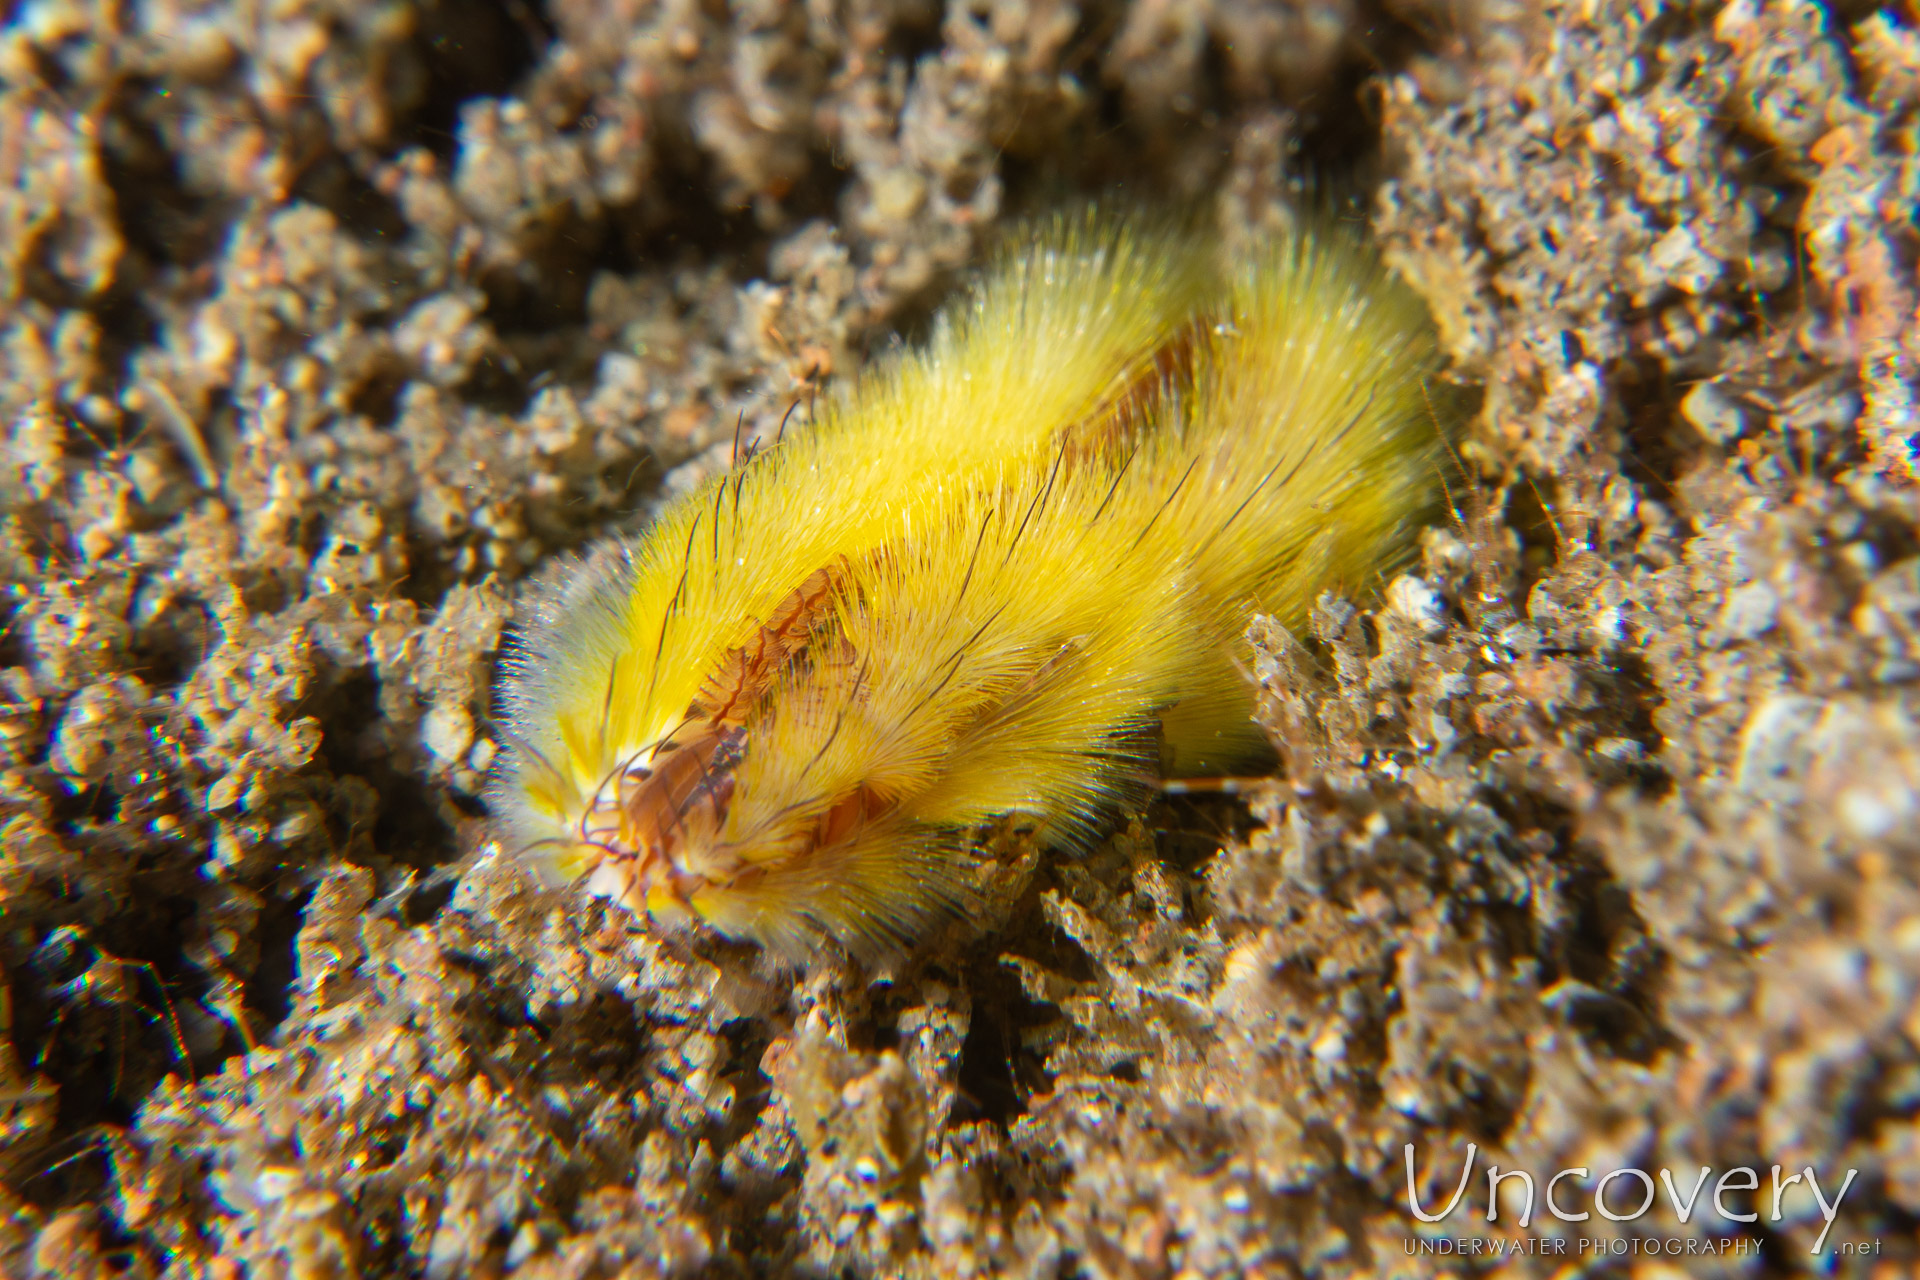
(325, 324)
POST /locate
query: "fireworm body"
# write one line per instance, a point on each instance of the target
(1005, 575)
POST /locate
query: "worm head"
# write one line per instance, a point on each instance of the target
(652, 829)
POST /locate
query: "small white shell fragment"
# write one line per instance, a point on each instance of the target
(1419, 605)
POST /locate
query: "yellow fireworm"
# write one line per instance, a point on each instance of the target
(1003, 576)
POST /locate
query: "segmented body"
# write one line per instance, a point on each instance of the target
(1005, 575)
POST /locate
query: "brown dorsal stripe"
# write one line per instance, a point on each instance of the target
(746, 671)
(1134, 394)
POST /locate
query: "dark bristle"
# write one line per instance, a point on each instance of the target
(1114, 487)
(1169, 502)
(980, 538)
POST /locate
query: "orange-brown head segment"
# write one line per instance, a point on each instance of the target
(657, 822)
